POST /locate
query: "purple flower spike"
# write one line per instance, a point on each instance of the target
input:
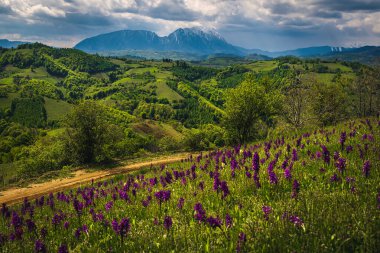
(266, 210)
(366, 168)
(295, 189)
(39, 246)
(200, 213)
(228, 221)
(214, 222)
(168, 222)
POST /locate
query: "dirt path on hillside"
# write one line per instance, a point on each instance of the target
(15, 195)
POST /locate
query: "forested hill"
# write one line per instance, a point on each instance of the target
(166, 105)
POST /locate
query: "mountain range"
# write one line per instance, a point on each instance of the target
(199, 44)
(4, 43)
(185, 40)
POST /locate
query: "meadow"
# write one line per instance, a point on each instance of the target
(316, 191)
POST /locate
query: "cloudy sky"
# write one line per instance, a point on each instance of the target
(265, 24)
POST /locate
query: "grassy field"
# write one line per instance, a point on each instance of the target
(164, 91)
(157, 129)
(262, 65)
(8, 174)
(6, 102)
(304, 193)
(56, 109)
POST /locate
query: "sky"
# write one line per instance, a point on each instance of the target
(265, 24)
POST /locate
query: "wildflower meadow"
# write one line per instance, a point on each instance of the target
(317, 191)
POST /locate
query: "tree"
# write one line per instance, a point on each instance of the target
(295, 104)
(89, 138)
(329, 103)
(247, 107)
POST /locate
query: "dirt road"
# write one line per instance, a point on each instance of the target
(15, 195)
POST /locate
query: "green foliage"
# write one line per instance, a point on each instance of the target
(329, 104)
(29, 112)
(247, 107)
(206, 137)
(184, 71)
(316, 208)
(33, 87)
(89, 137)
(13, 137)
(47, 154)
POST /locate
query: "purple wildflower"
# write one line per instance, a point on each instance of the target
(78, 206)
(342, 140)
(241, 240)
(326, 154)
(66, 225)
(272, 177)
(16, 220)
(224, 188)
(228, 221)
(256, 162)
(39, 246)
(295, 189)
(63, 249)
(341, 164)
(168, 223)
(200, 213)
(334, 178)
(294, 155)
(366, 168)
(266, 210)
(287, 174)
(30, 225)
(214, 222)
(162, 196)
(43, 232)
(121, 228)
(108, 205)
(296, 220)
(181, 202)
(256, 179)
(77, 233)
(216, 184)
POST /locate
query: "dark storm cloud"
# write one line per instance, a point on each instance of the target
(87, 19)
(169, 10)
(298, 22)
(349, 5)
(280, 8)
(5, 9)
(327, 14)
(267, 24)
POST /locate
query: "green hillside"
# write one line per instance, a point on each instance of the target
(165, 105)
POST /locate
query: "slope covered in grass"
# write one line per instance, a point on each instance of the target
(313, 192)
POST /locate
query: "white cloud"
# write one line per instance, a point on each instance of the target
(250, 23)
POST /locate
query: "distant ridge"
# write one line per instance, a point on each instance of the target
(187, 40)
(197, 44)
(4, 43)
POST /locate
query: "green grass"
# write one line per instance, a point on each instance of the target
(308, 212)
(156, 129)
(6, 102)
(262, 65)
(164, 91)
(142, 70)
(8, 174)
(37, 73)
(6, 81)
(56, 109)
(187, 89)
(335, 66)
